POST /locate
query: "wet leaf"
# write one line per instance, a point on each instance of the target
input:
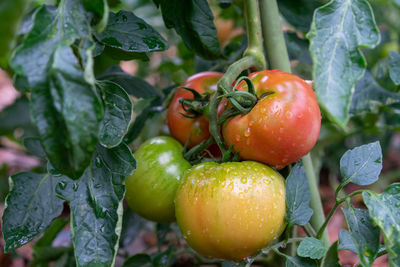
(312, 248)
(337, 32)
(331, 258)
(394, 67)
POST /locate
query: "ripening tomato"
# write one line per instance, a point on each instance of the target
(231, 210)
(284, 124)
(150, 190)
(180, 126)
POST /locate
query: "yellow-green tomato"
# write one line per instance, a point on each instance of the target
(231, 210)
(150, 190)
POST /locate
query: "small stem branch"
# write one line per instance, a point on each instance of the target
(337, 204)
(282, 244)
(309, 230)
(224, 87)
(273, 36)
(254, 34)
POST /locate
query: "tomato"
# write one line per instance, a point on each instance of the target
(180, 126)
(150, 190)
(231, 210)
(284, 124)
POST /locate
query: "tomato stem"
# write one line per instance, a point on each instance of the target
(278, 58)
(254, 34)
(277, 54)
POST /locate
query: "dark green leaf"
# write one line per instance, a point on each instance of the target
(31, 206)
(384, 210)
(362, 165)
(31, 59)
(131, 223)
(100, 9)
(363, 233)
(394, 66)
(117, 116)
(165, 258)
(298, 197)
(11, 14)
(300, 262)
(297, 48)
(312, 248)
(368, 93)
(132, 85)
(34, 147)
(67, 115)
(95, 201)
(299, 13)
(338, 29)
(331, 258)
(129, 33)
(138, 260)
(346, 242)
(16, 116)
(194, 22)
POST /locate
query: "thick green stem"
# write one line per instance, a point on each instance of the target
(278, 59)
(254, 33)
(274, 41)
(318, 217)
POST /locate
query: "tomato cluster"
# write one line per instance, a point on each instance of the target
(227, 210)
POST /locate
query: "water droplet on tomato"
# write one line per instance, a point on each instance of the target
(237, 138)
(247, 132)
(281, 129)
(289, 114)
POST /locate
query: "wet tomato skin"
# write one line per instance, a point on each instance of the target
(181, 127)
(230, 210)
(284, 124)
(151, 188)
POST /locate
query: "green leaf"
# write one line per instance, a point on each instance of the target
(95, 201)
(138, 260)
(312, 248)
(129, 33)
(362, 165)
(299, 13)
(384, 210)
(34, 147)
(11, 14)
(133, 85)
(299, 262)
(118, 114)
(51, 27)
(165, 258)
(346, 242)
(17, 116)
(363, 233)
(338, 30)
(48, 253)
(368, 93)
(331, 258)
(297, 48)
(31, 206)
(67, 114)
(194, 22)
(394, 66)
(298, 210)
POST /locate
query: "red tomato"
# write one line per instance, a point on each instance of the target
(284, 124)
(230, 210)
(181, 127)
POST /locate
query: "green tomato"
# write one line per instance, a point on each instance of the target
(150, 190)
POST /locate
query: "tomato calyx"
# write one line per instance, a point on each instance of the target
(196, 106)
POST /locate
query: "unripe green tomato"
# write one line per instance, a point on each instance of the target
(150, 190)
(231, 210)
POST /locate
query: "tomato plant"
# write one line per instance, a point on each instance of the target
(150, 190)
(231, 210)
(92, 81)
(284, 124)
(182, 127)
